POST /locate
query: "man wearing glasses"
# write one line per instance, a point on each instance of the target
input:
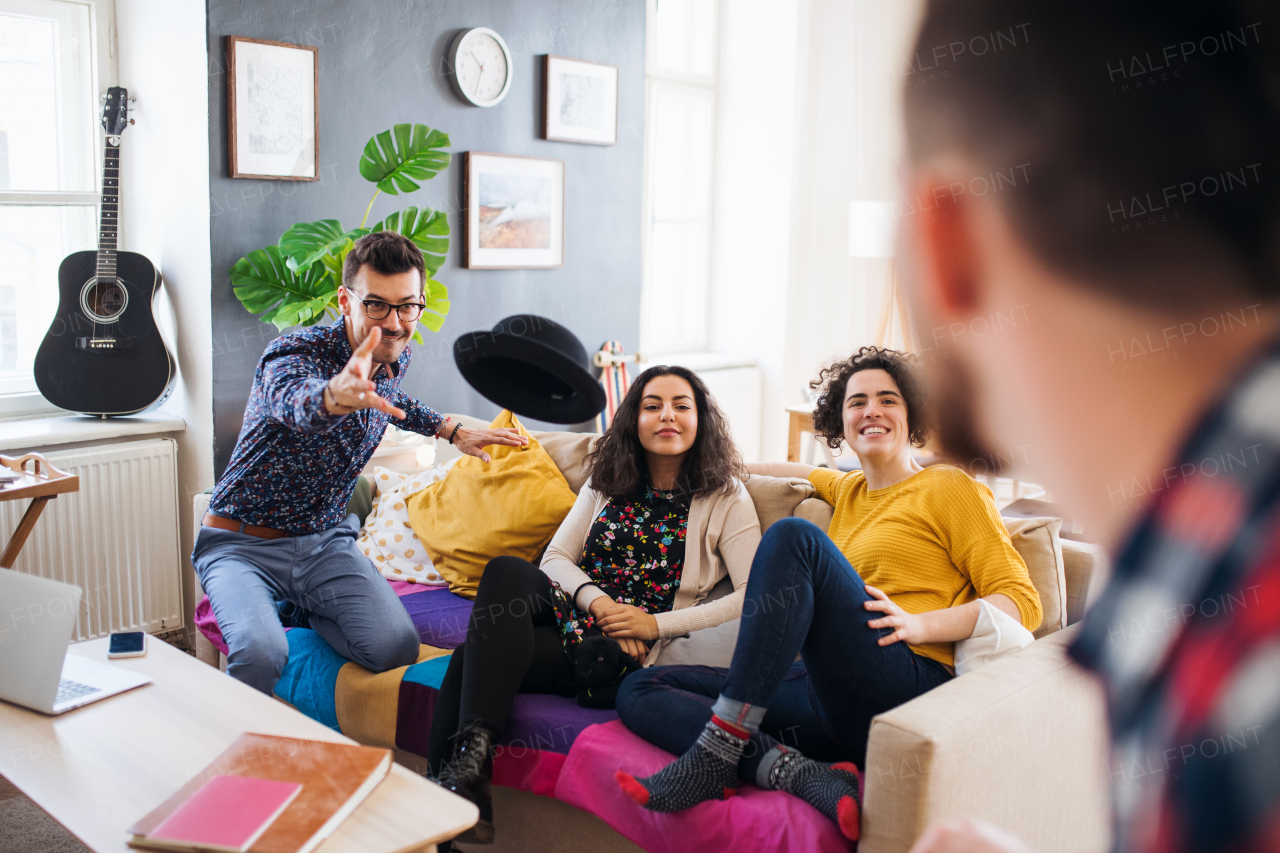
(277, 543)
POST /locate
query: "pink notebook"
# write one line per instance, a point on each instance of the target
(227, 813)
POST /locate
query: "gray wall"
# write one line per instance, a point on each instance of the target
(383, 62)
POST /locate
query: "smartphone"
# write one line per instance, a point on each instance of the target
(132, 644)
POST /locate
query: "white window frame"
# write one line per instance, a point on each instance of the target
(103, 68)
(655, 80)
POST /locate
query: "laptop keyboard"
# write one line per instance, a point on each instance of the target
(69, 690)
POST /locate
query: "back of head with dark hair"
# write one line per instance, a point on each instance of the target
(617, 466)
(386, 252)
(1131, 144)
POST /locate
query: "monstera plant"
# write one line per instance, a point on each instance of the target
(296, 281)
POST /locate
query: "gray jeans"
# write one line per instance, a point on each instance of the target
(352, 607)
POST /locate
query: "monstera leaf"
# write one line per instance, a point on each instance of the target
(266, 286)
(296, 281)
(334, 260)
(427, 228)
(437, 299)
(307, 242)
(395, 158)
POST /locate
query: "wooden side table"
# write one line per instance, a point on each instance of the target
(42, 483)
(800, 420)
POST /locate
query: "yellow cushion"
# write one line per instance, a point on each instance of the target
(510, 506)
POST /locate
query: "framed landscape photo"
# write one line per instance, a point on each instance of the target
(273, 110)
(579, 101)
(514, 212)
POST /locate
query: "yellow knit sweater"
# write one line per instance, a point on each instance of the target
(933, 541)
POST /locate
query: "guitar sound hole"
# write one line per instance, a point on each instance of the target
(104, 301)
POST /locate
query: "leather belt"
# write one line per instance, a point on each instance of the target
(217, 521)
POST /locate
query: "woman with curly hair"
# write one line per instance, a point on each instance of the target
(662, 518)
(873, 608)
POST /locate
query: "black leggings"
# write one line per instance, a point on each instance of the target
(513, 646)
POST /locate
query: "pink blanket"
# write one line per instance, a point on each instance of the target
(532, 757)
(752, 820)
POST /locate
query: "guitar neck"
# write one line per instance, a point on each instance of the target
(108, 218)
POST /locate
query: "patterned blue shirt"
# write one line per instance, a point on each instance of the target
(295, 465)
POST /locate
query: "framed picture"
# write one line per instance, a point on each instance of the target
(579, 101)
(514, 212)
(273, 110)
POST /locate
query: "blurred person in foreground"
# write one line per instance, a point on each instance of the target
(1142, 256)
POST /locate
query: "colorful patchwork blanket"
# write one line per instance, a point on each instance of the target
(552, 746)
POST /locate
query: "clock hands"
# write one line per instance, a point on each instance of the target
(476, 90)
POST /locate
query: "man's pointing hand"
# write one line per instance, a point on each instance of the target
(353, 389)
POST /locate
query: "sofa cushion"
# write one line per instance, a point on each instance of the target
(569, 451)
(776, 498)
(816, 510)
(387, 537)
(1036, 541)
(1086, 568)
(510, 506)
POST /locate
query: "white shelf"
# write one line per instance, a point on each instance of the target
(68, 429)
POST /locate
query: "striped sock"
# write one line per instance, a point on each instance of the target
(707, 771)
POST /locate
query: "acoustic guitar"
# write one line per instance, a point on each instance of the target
(103, 354)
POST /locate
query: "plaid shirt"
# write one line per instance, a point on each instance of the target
(1186, 639)
(295, 465)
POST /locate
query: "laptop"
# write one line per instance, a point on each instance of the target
(36, 621)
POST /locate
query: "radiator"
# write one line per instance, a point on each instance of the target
(116, 538)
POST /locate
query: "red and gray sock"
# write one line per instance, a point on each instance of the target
(707, 771)
(832, 789)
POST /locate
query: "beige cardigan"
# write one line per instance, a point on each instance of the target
(722, 537)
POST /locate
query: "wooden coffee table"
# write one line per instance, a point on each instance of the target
(99, 768)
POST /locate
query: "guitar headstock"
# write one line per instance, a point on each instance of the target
(115, 112)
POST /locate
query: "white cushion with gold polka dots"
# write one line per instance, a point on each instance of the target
(388, 539)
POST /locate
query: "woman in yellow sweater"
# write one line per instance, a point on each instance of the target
(873, 610)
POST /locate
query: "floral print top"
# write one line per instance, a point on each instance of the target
(634, 553)
(295, 466)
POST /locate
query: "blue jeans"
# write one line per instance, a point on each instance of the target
(802, 598)
(350, 605)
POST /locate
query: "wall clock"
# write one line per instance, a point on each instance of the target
(481, 66)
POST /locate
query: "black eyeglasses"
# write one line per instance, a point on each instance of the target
(376, 309)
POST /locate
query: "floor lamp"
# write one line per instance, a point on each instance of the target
(872, 227)
(871, 236)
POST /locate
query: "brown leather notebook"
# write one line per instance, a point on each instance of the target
(335, 777)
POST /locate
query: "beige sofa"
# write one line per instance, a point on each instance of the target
(1021, 742)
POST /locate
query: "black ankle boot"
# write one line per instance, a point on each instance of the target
(467, 773)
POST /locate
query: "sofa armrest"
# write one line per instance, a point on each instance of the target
(1021, 742)
(206, 652)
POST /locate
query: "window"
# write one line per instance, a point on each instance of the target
(49, 157)
(681, 90)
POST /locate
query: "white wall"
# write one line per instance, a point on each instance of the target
(809, 121)
(163, 62)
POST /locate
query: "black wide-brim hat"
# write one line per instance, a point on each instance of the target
(533, 366)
